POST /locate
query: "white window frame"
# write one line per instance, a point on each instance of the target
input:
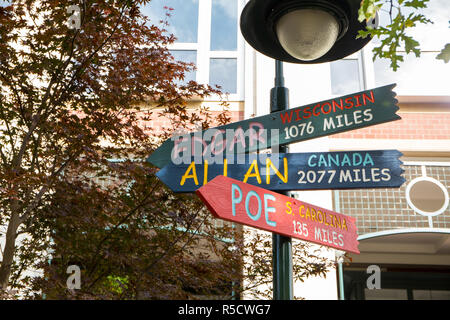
(204, 54)
(362, 75)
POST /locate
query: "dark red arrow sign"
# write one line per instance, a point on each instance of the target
(243, 203)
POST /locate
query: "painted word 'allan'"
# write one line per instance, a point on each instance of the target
(254, 172)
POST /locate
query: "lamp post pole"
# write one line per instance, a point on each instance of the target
(280, 29)
(281, 245)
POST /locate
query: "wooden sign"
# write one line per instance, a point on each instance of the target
(357, 110)
(293, 171)
(239, 202)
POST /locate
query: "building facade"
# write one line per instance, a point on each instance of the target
(404, 233)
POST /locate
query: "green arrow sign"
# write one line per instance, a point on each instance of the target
(353, 111)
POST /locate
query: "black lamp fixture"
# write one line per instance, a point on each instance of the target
(304, 31)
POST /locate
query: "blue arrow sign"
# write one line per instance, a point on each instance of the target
(293, 171)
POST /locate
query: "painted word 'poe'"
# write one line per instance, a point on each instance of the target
(237, 197)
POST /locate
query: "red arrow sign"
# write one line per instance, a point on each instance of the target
(243, 203)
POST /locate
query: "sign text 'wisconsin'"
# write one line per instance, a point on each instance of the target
(323, 118)
(293, 171)
(240, 202)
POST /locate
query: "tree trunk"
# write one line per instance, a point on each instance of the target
(8, 252)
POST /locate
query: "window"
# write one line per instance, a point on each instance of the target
(208, 35)
(189, 56)
(223, 25)
(183, 20)
(399, 282)
(345, 77)
(223, 71)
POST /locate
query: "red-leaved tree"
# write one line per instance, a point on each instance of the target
(74, 185)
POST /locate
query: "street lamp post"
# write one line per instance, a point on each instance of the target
(299, 31)
(281, 246)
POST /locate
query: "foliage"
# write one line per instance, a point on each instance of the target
(308, 260)
(395, 35)
(116, 284)
(69, 105)
(445, 53)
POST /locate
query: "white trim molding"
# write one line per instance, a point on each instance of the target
(402, 231)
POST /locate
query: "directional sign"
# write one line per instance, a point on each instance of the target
(239, 202)
(323, 118)
(294, 171)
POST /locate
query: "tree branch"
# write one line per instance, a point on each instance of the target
(88, 58)
(122, 221)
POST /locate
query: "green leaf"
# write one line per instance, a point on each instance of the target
(411, 45)
(416, 4)
(368, 9)
(445, 54)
